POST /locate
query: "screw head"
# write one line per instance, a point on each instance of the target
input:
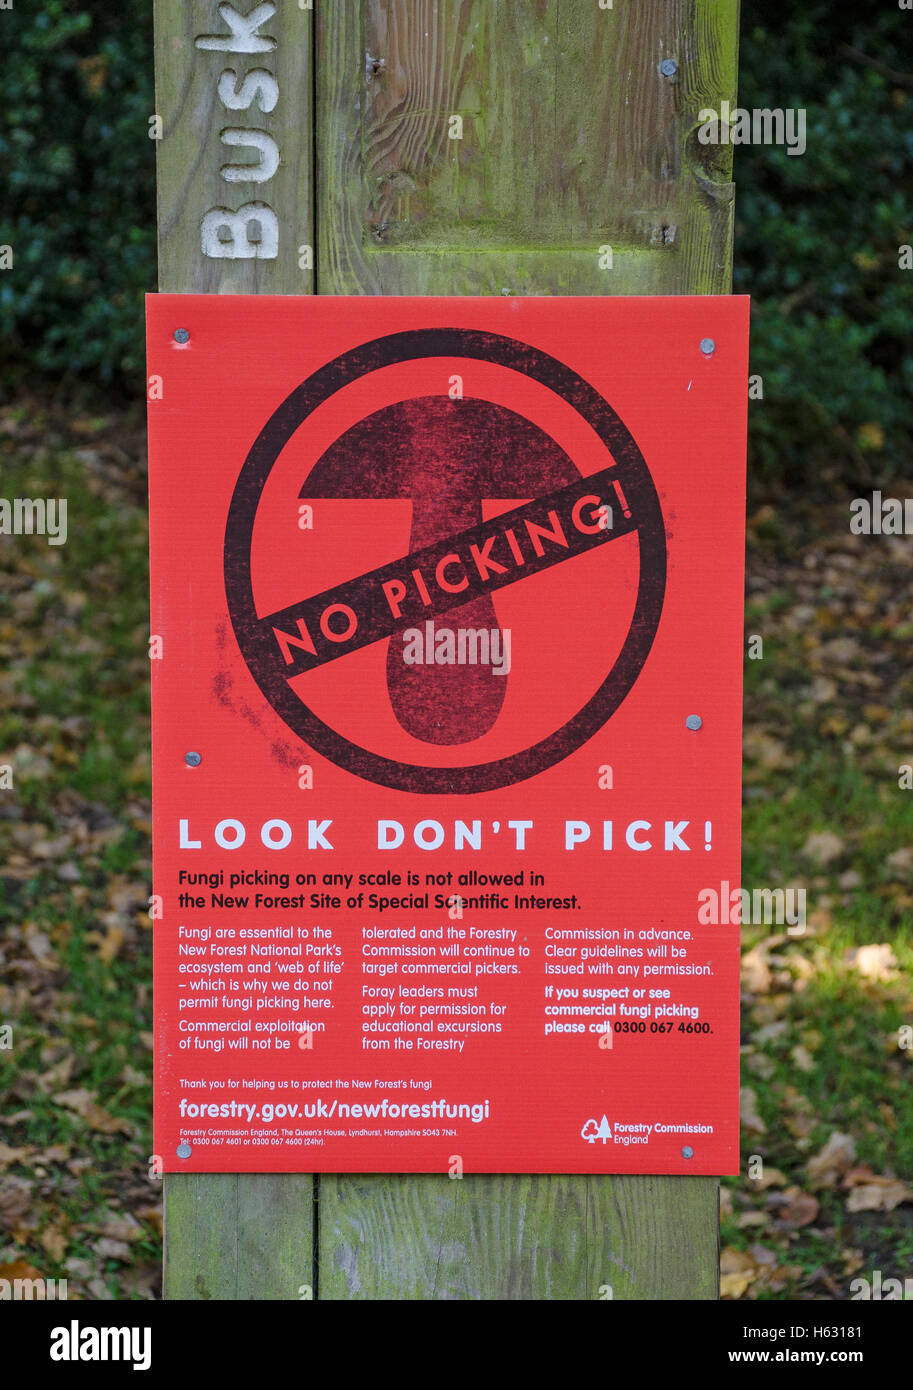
(694, 721)
(708, 347)
(183, 1150)
(687, 1151)
(193, 759)
(182, 335)
(668, 67)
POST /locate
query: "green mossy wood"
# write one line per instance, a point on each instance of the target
(571, 140)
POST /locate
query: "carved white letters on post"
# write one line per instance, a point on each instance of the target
(241, 245)
(258, 85)
(251, 233)
(243, 37)
(251, 173)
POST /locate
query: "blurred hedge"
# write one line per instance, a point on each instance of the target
(77, 185)
(816, 246)
(817, 240)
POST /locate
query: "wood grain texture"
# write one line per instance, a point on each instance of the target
(572, 140)
(233, 1236)
(239, 1236)
(191, 154)
(505, 1238)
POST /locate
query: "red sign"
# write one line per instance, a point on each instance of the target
(447, 647)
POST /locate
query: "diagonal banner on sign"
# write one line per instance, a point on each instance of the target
(436, 578)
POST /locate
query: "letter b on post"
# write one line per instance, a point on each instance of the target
(227, 235)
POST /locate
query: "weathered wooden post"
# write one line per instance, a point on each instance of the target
(471, 147)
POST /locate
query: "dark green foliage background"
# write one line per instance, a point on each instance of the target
(817, 240)
(77, 188)
(816, 246)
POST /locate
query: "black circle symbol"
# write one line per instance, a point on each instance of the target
(632, 473)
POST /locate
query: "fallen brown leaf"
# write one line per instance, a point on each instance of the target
(19, 1270)
(737, 1271)
(901, 861)
(54, 1242)
(771, 1177)
(869, 1198)
(756, 976)
(58, 1075)
(874, 962)
(108, 945)
(54, 1153)
(823, 848)
(40, 946)
(752, 1218)
(119, 1228)
(748, 1113)
(826, 1167)
(15, 1201)
(84, 1104)
(154, 1214)
(880, 1194)
(107, 1249)
(800, 1209)
(8, 1155)
(802, 1058)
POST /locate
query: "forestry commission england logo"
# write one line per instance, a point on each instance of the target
(517, 510)
(594, 1130)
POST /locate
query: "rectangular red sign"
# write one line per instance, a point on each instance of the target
(446, 662)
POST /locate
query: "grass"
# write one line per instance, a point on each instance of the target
(76, 982)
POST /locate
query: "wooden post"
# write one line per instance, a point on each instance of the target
(461, 147)
(235, 1236)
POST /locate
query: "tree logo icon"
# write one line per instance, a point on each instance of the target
(592, 1131)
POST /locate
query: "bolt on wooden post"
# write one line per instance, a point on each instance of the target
(461, 148)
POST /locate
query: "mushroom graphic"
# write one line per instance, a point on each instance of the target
(446, 455)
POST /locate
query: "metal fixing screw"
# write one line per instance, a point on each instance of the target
(668, 67)
(687, 1151)
(694, 721)
(182, 335)
(183, 1149)
(708, 347)
(193, 759)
